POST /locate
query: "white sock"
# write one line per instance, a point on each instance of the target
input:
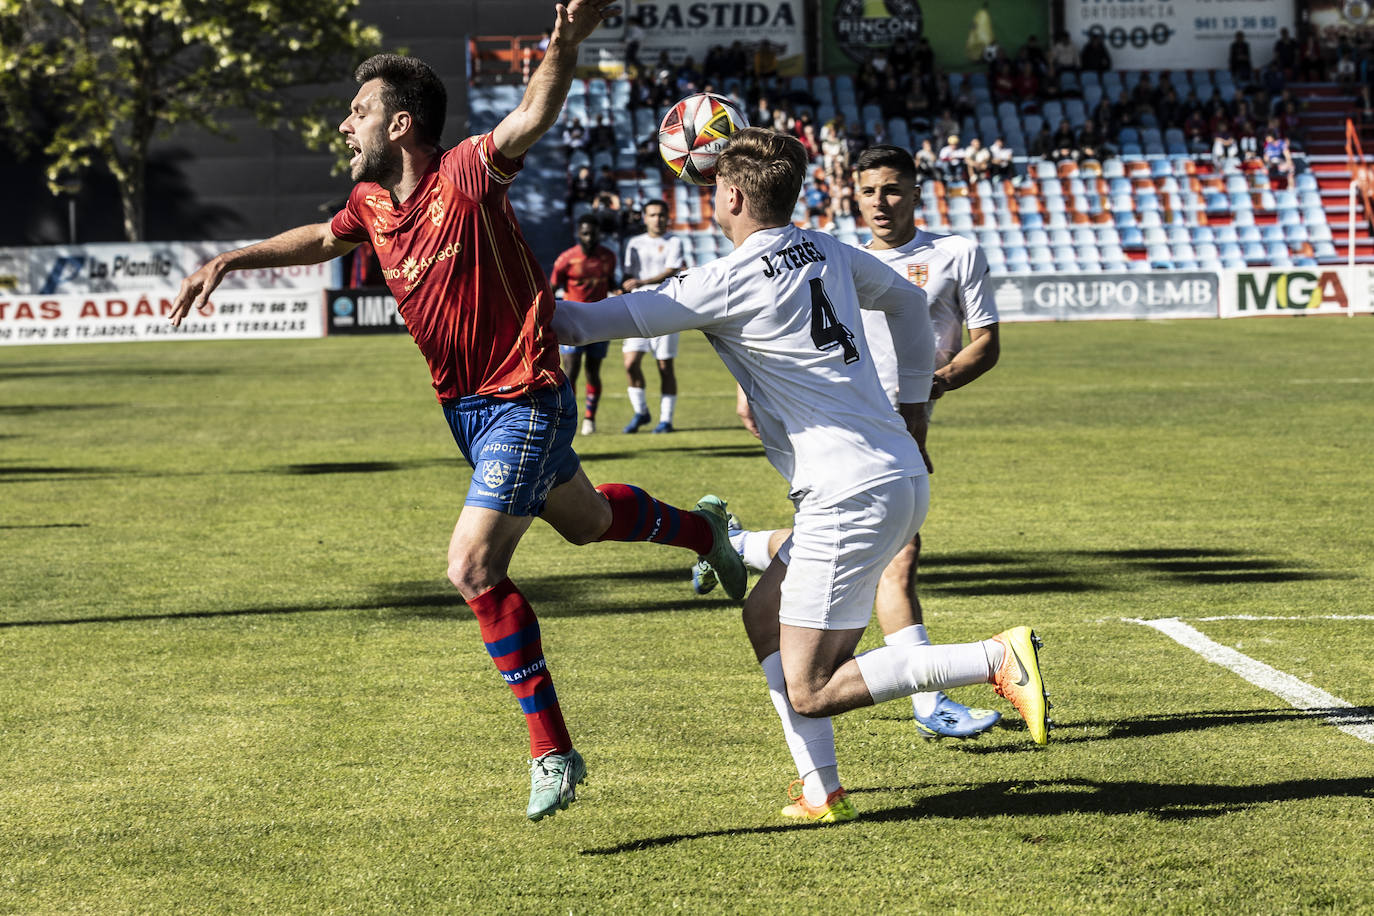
(811, 741)
(819, 783)
(899, 671)
(666, 405)
(923, 704)
(639, 401)
(754, 549)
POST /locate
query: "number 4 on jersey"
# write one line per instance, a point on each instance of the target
(826, 330)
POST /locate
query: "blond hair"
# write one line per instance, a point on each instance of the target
(769, 168)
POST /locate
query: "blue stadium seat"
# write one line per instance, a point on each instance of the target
(1271, 233)
(1325, 251)
(1132, 237)
(1112, 169)
(1295, 233)
(1123, 218)
(1156, 235)
(1107, 235)
(1031, 220)
(1247, 234)
(1253, 252)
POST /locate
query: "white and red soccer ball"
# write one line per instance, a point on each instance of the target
(693, 133)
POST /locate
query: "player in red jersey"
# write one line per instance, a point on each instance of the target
(479, 308)
(585, 273)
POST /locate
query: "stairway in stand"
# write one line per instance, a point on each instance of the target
(1326, 106)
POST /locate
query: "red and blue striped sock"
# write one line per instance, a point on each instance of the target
(511, 632)
(637, 516)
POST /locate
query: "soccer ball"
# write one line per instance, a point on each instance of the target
(693, 133)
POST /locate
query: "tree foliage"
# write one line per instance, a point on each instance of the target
(93, 82)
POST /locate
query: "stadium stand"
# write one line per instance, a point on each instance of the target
(1145, 199)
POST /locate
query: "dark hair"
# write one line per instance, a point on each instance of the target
(410, 85)
(656, 203)
(889, 157)
(769, 168)
(587, 218)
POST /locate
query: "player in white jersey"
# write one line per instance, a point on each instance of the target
(953, 273)
(651, 258)
(782, 311)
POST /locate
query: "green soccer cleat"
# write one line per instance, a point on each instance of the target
(553, 783)
(724, 563)
(703, 576)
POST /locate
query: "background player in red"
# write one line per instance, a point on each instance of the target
(479, 308)
(585, 273)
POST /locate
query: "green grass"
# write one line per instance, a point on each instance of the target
(233, 677)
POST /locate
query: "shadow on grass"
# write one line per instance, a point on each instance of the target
(1162, 801)
(30, 473)
(15, 410)
(50, 525)
(106, 372)
(359, 467)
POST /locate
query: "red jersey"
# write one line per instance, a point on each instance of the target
(466, 282)
(584, 277)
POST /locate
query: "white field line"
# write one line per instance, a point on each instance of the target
(1308, 617)
(1298, 694)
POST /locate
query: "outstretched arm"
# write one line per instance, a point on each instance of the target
(548, 87)
(303, 245)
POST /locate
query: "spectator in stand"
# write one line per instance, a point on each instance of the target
(1092, 142)
(581, 189)
(946, 124)
(855, 140)
(1063, 55)
(951, 159)
(1311, 59)
(766, 59)
(1095, 55)
(1198, 147)
(574, 137)
(1347, 70)
(1000, 161)
(1125, 113)
(1145, 95)
(606, 186)
(1239, 60)
(901, 58)
(924, 55)
(1002, 77)
(634, 39)
(927, 163)
(1026, 86)
(811, 142)
(687, 77)
(1168, 109)
(606, 211)
(877, 135)
(834, 149)
(892, 103)
(1104, 114)
(1224, 151)
(977, 161)
(601, 136)
(962, 102)
(1272, 84)
(1290, 123)
(1365, 106)
(918, 100)
(816, 193)
(1063, 136)
(1247, 144)
(1278, 159)
(843, 206)
(1286, 52)
(1031, 51)
(1042, 144)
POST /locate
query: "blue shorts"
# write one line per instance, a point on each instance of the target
(519, 448)
(593, 351)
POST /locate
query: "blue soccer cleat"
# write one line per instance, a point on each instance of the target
(638, 420)
(663, 427)
(955, 720)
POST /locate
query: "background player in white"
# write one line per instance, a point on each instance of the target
(650, 258)
(782, 311)
(953, 272)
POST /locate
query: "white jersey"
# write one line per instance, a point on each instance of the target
(783, 312)
(954, 274)
(646, 256)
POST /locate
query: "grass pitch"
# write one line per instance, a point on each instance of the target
(234, 679)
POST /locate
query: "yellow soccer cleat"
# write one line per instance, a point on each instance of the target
(1018, 679)
(837, 807)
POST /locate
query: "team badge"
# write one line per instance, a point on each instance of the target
(917, 273)
(495, 473)
(436, 209)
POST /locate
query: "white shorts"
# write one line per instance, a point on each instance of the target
(664, 347)
(837, 554)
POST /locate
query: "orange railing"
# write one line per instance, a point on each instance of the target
(500, 57)
(1361, 173)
